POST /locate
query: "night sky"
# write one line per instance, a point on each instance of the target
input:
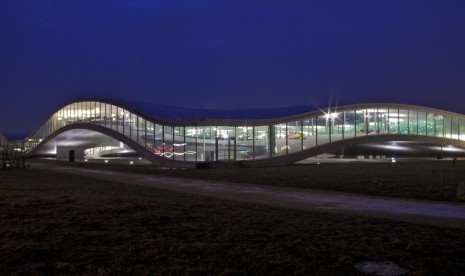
(237, 54)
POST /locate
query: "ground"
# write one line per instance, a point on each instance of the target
(60, 224)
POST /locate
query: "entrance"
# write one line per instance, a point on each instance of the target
(225, 149)
(71, 156)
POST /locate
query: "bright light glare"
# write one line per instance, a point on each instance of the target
(448, 148)
(331, 115)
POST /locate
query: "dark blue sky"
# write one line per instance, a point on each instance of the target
(229, 54)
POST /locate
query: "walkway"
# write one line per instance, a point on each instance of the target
(441, 214)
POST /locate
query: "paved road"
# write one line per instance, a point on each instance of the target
(417, 211)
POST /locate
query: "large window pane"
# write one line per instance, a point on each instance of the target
(439, 125)
(191, 143)
(125, 121)
(349, 124)
(179, 145)
(322, 129)
(383, 120)
(150, 136)
(134, 125)
(226, 138)
(403, 121)
(462, 129)
(430, 123)
(261, 143)
(206, 143)
(141, 131)
(99, 113)
(447, 127)
(120, 119)
(309, 133)
(393, 121)
(455, 128)
(294, 136)
(422, 123)
(372, 120)
(360, 116)
(337, 126)
(413, 121)
(280, 139)
(159, 147)
(244, 143)
(168, 138)
(107, 115)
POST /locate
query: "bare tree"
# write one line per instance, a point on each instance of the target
(4, 151)
(13, 153)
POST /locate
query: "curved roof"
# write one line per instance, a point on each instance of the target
(173, 112)
(176, 116)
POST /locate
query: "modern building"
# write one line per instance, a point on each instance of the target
(194, 138)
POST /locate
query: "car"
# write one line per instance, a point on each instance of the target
(296, 136)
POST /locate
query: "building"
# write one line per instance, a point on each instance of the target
(183, 138)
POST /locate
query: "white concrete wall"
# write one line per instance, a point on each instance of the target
(63, 153)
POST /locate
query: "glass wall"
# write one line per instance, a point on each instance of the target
(322, 130)
(393, 121)
(462, 129)
(191, 143)
(280, 139)
(372, 121)
(149, 137)
(337, 122)
(439, 125)
(422, 124)
(294, 136)
(413, 122)
(244, 143)
(383, 121)
(308, 131)
(261, 142)
(349, 124)
(430, 124)
(455, 128)
(361, 125)
(228, 143)
(141, 131)
(403, 121)
(447, 126)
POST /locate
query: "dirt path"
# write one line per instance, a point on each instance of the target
(416, 211)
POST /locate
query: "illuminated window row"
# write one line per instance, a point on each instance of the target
(216, 143)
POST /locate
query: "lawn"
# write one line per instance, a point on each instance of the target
(413, 179)
(53, 223)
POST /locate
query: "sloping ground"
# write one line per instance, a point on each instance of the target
(404, 179)
(434, 213)
(56, 223)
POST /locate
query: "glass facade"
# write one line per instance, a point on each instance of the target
(197, 143)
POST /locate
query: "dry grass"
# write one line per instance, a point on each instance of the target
(414, 179)
(61, 224)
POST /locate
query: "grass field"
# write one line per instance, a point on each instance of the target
(59, 224)
(413, 179)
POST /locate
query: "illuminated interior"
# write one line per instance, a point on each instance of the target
(250, 139)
